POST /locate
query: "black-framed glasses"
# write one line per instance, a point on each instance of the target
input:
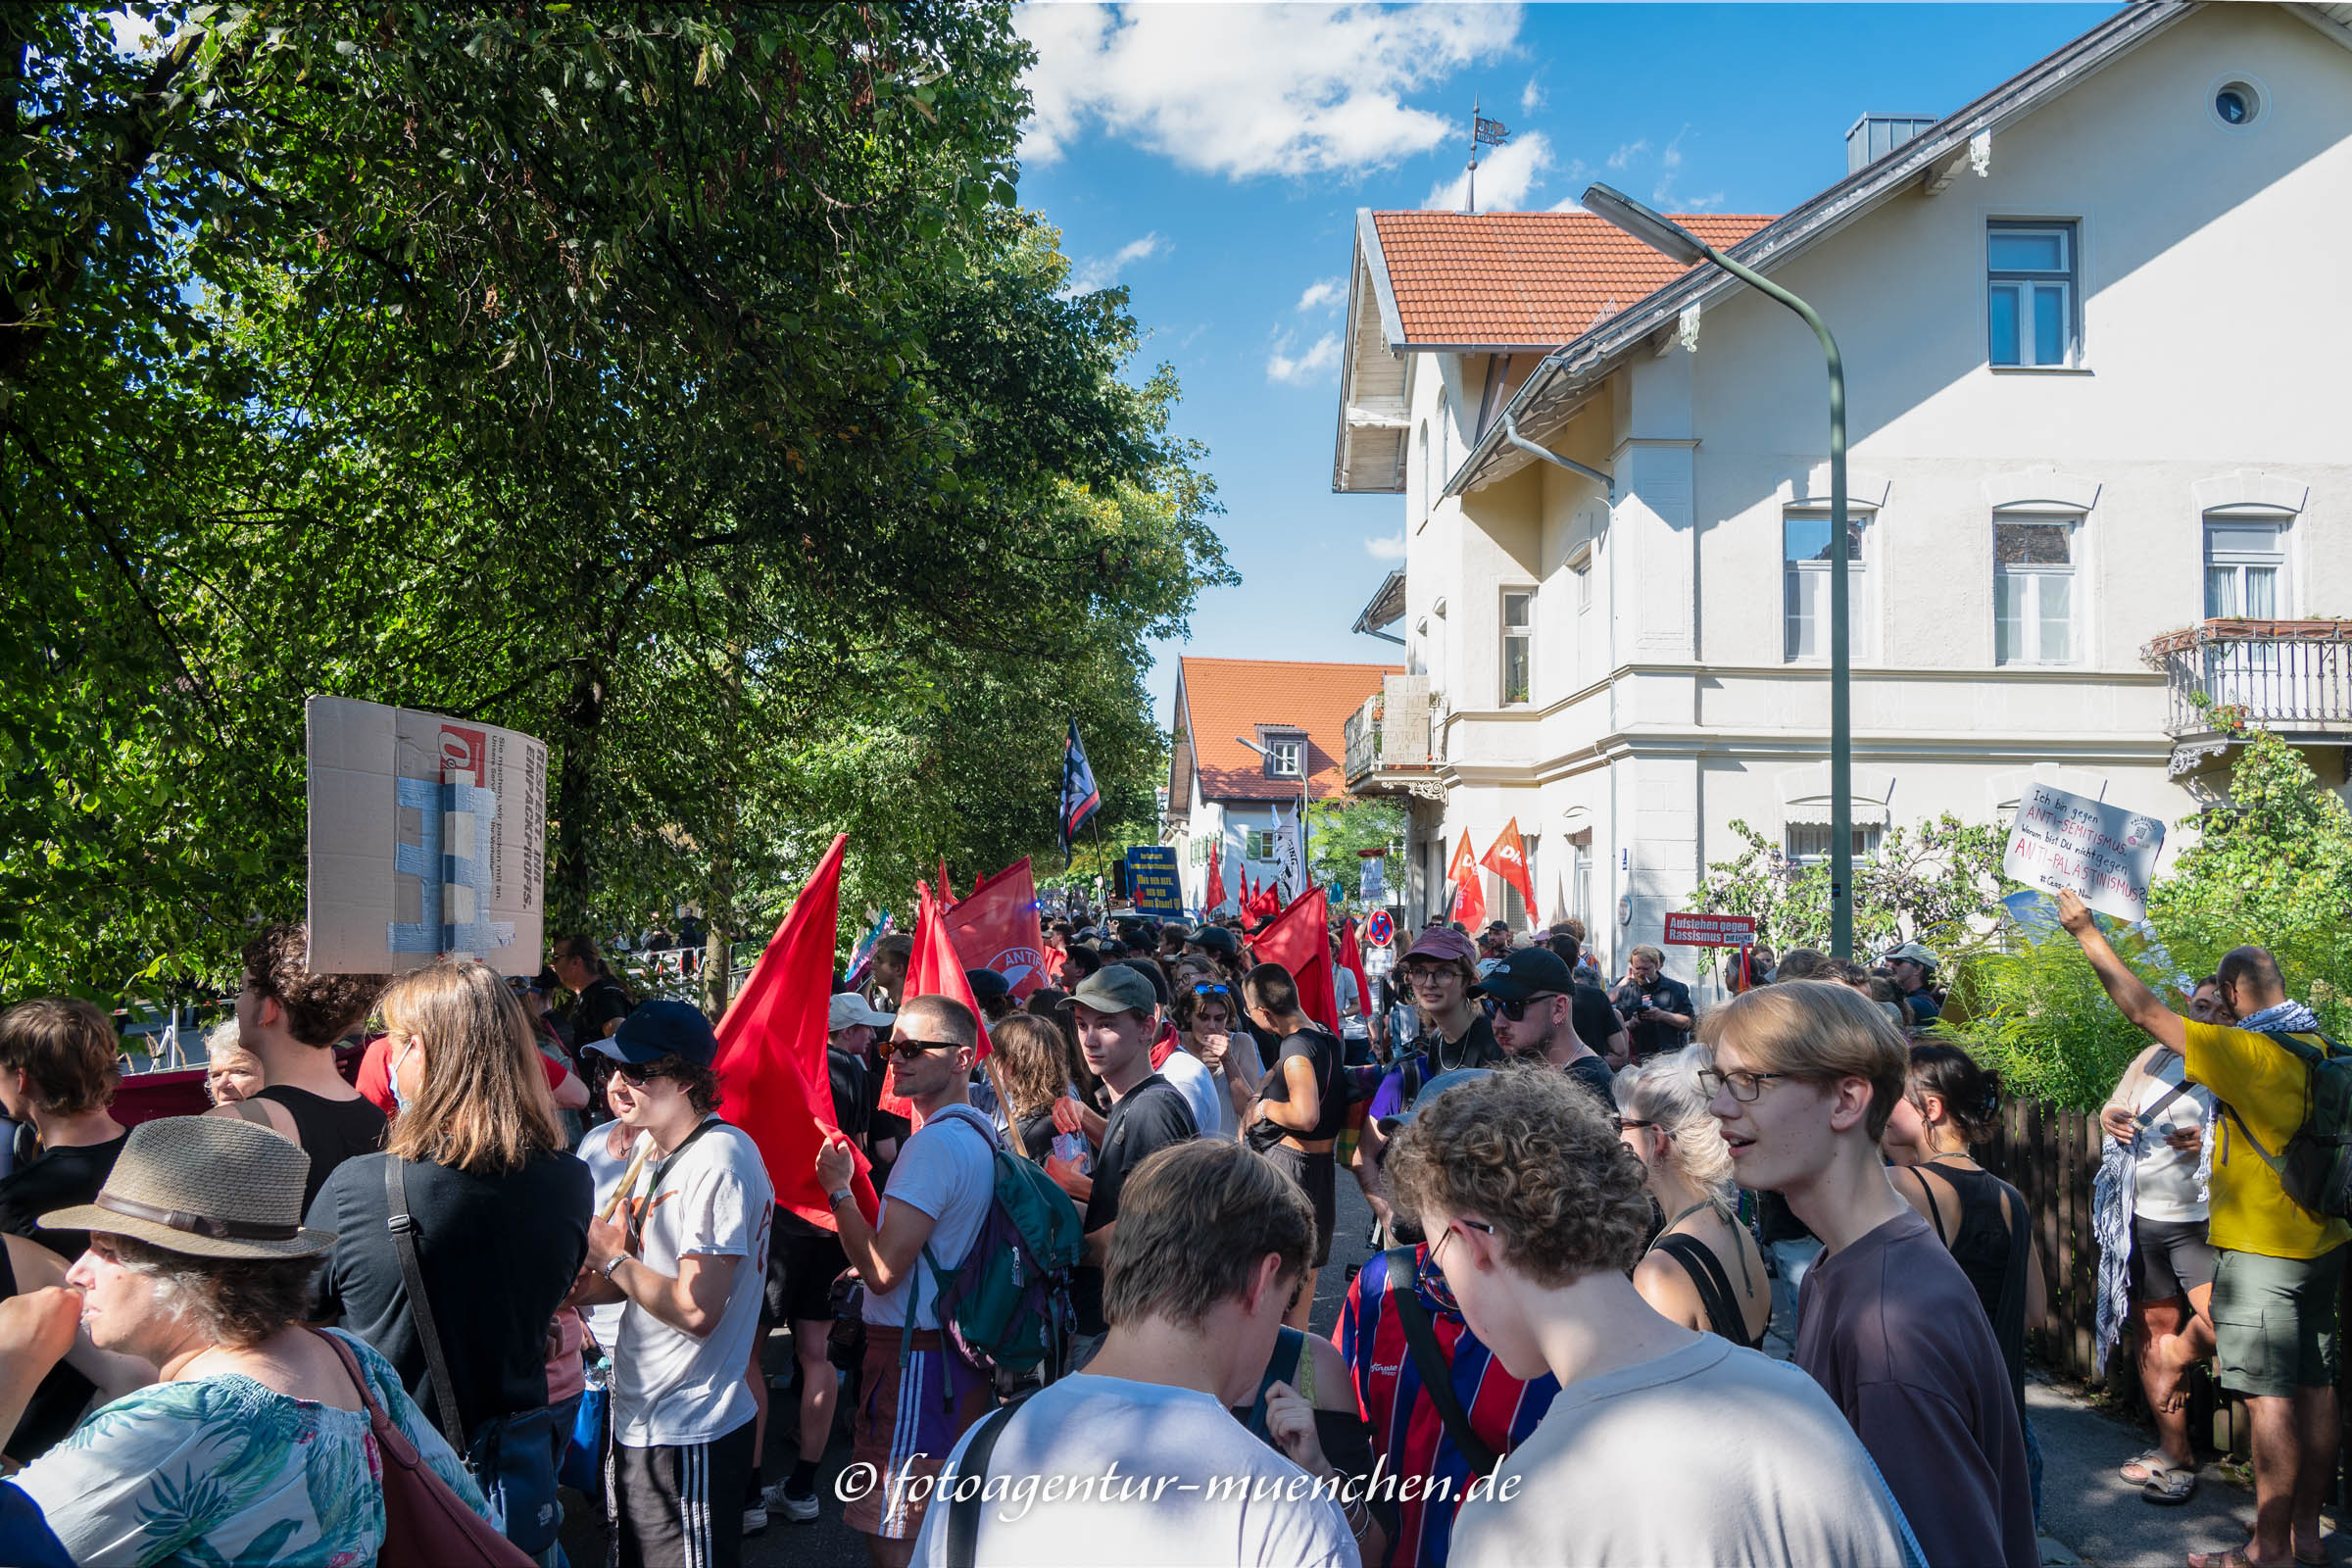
(1516, 1010)
(635, 1073)
(913, 1049)
(1744, 1086)
(1439, 1245)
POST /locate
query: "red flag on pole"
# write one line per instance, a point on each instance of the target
(1506, 858)
(1351, 960)
(1300, 940)
(771, 1052)
(994, 925)
(1214, 899)
(1470, 900)
(935, 969)
(946, 890)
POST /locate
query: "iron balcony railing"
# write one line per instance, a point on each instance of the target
(2288, 675)
(1389, 731)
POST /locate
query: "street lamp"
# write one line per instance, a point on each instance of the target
(1669, 238)
(1306, 867)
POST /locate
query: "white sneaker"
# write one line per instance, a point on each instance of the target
(755, 1519)
(778, 1500)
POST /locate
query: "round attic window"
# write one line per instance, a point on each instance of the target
(2237, 103)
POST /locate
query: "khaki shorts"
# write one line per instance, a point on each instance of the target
(2274, 1319)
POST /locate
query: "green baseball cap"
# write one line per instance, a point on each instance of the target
(1114, 988)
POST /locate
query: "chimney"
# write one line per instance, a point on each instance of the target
(1873, 136)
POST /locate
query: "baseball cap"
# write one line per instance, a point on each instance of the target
(1114, 988)
(848, 1009)
(986, 984)
(1915, 953)
(1215, 939)
(1442, 943)
(661, 1028)
(1528, 973)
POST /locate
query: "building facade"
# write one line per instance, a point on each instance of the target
(2096, 329)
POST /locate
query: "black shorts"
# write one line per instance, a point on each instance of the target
(800, 1271)
(2170, 1257)
(1315, 1175)
(678, 1507)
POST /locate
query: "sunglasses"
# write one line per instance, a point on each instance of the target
(636, 1075)
(1516, 1010)
(911, 1050)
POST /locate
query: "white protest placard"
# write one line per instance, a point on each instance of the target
(2104, 853)
(428, 840)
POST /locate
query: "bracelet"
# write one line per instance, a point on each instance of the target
(618, 1259)
(1357, 1516)
(836, 1200)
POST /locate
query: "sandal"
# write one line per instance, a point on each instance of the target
(2148, 1464)
(2170, 1488)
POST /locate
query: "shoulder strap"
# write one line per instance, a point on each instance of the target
(638, 1217)
(1713, 1284)
(1437, 1378)
(1919, 1174)
(964, 1514)
(1289, 1355)
(420, 1305)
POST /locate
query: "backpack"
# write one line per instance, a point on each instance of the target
(2316, 1167)
(1007, 1307)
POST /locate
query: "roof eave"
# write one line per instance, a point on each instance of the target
(1593, 355)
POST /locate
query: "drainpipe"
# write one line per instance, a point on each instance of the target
(1510, 433)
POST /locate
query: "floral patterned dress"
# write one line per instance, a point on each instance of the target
(224, 1470)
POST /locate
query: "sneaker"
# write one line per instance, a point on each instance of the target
(798, 1507)
(754, 1518)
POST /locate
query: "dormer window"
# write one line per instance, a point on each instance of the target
(1286, 753)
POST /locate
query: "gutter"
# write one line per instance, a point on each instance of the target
(1510, 433)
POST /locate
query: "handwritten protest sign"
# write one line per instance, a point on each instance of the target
(2104, 853)
(428, 839)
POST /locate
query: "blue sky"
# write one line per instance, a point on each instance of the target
(1211, 157)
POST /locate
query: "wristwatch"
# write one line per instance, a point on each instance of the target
(836, 1200)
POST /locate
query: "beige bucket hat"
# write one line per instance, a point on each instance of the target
(203, 1186)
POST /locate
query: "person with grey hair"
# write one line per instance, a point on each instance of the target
(256, 1444)
(1703, 1270)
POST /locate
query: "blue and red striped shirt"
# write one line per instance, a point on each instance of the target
(1406, 1430)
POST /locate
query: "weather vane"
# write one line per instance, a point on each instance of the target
(1484, 132)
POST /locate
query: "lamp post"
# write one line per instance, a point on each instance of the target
(1306, 866)
(1669, 238)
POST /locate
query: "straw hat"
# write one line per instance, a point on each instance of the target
(203, 1186)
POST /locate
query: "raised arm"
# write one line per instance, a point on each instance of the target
(2129, 992)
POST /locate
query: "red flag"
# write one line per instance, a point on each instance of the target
(1506, 858)
(1470, 900)
(1243, 905)
(1300, 940)
(947, 891)
(937, 967)
(1214, 899)
(1353, 961)
(996, 925)
(771, 1052)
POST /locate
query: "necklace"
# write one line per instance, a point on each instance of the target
(1949, 1154)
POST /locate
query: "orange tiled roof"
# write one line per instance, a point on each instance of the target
(1526, 278)
(1228, 697)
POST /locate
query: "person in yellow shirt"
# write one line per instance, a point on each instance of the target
(2280, 1266)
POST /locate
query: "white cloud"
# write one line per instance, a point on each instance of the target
(1304, 370)
(1569, 204)
(1243, 90)
(1386, 547)
(1531, 96)
(1504, 176)
(1670, 170)
(1626, 152)
(1323, 294)
(1100, 271)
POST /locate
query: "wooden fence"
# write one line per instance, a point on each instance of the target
(2052, 1157)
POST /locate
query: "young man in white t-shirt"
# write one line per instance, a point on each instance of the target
(689, 1267)
(1138, 1460)
(1536, 1213)
(917, 1394)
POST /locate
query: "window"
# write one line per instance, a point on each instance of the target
(1258, 843)
(1283, 754)
(2031, 293)
(1423, 444)
(2034, 591)
(1580, 876)
(1808, 843)
(1582, 567)
(2245, 568)
(1805, 585)
(1518, 609)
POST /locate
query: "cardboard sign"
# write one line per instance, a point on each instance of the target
(1711, 930)
(1153, 886)
(428, 840)
(2104, 853)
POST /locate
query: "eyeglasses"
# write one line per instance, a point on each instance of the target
(1623, 1122)
(1516, 1010)
(1439, 1245)
(639, 1076)
(910, 1049)
(1744, 1086)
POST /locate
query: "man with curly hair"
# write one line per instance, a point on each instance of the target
(1535, 1213)
(290, 1019)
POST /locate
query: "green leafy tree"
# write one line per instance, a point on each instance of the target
(1340, 828)
(1924, 884)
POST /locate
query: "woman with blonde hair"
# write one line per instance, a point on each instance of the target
(497, 1228)
(1032, 1058)
(1704, 1270)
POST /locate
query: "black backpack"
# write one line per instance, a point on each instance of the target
(2316, 1166)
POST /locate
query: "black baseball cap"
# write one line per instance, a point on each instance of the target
(986, 984)
(661, 1028)
(1215, 939)
(1527, 972)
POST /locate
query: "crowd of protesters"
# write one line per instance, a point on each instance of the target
(527, 1242)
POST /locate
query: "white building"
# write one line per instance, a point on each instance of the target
(2097, 333)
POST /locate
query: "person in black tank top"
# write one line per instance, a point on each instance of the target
(290, 1019)
(329, 1130)
(1704, 1270)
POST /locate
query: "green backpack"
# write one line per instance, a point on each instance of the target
(2316, 1167)
(1007, 1307)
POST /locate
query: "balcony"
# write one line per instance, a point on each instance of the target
(2225, 676)
(1389, 741)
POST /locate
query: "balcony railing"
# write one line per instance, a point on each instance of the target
(2289, 676)
(1388, 737)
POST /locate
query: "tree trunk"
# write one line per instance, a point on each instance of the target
(579, 720)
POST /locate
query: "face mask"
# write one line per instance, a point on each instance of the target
(400, 1102)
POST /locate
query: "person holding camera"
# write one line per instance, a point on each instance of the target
(1656, 1008)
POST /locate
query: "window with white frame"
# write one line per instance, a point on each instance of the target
(2245, 568)
(1582, 565)
(1258, 843)
(1518, 616)
(2034, 597)
(1807, 565)
(1808, 843)
(1422, 444)
(2031, 292)
(1284, 754)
